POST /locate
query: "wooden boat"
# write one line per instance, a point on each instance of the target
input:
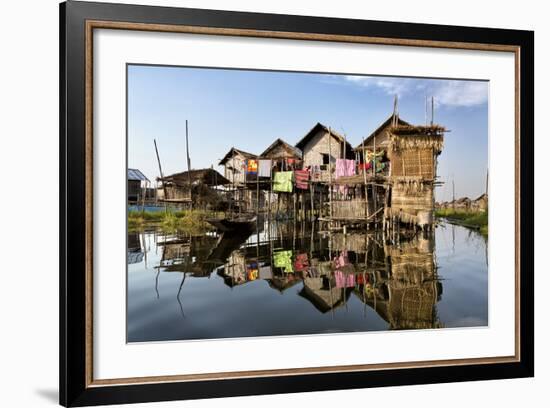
(244, 222)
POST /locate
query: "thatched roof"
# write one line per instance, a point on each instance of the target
(209, 177)
(380, 129)
(285, 151)
(309, 135)
(233, 151)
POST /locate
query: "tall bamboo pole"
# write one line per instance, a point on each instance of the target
(257, 186)
(330, 174)
(188, 161)
(365, 180)
(161, 174)
(270, 187)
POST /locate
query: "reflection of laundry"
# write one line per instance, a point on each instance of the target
(264, 168)
(252, 166)
(313, 272)
(301, 262)
(252, 271)
(344, 280)
(301, 178)
(265, 272)
(282, 181)
(362, 279)
(341, 260)
(283, 260)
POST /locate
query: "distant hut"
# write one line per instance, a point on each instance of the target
(481, 203)
(137, 184)
(195, 185)
(316, 151)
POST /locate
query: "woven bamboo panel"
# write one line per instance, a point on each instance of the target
(352, 209)
(413, 162)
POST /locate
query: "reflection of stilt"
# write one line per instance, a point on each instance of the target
(453, 233)
(157, 284)
(178, 295)
(331, 273)
(142, 238)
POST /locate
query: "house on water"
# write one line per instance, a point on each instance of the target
(199, 187)
(320, 147)
(401, 170)
(234, 163)
(137, 185)
(283, 155)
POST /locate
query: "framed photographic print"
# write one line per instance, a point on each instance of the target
(255, 203)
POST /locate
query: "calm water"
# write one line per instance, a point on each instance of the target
(291, 279)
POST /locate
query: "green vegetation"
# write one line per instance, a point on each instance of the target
(186, 221)
(471, 219)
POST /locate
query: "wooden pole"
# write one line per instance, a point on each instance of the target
(365, 180)
(270, 187)
(188, 162)
(161, 174)
(426, 110)
(453, 193)
(312, 197)
(432, 122)
(374, 200)
(344, 156)
(330, 174)
(257, 186)
(143, 198)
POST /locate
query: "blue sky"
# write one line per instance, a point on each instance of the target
(250, 109)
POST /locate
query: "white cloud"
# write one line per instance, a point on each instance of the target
(445, 92)
(462, 93)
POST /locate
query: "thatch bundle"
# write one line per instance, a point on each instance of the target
(399, 142)
(412, 184)
(407, 129)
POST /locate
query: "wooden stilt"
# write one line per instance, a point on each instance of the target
(330, 175)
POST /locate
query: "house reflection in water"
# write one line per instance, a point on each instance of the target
(292, 279)
(398, 281)
(134, 252)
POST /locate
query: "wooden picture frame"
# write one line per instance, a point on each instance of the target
(77, 22)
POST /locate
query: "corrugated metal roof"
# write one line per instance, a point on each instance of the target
(135, 174)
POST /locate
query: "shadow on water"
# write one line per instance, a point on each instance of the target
(289, 278)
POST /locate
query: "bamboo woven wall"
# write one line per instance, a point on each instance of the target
(319, 145)
(413, 162)
(351, 209)
(413, 286)
(412, 197)
(173, 192)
